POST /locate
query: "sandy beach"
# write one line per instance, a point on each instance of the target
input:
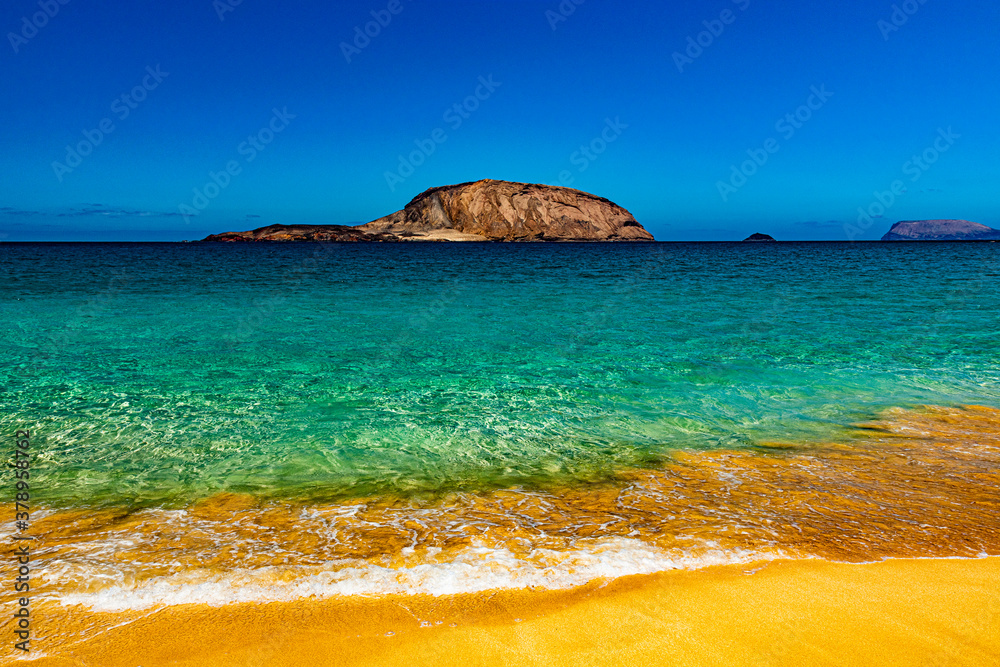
(928, 612)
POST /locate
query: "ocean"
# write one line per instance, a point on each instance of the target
(219, 423)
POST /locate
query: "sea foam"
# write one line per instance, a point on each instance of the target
(472, 570)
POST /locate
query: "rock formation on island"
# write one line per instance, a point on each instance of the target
(278, 233)
(485, 210)
(759, 238)
(941, 230)
(503, 211)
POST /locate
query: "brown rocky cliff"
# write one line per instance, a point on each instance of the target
(491, 210)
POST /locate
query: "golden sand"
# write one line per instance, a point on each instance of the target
(928, 613)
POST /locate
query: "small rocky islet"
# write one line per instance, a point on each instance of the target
(941, 230)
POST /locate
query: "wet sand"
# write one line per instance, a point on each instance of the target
(808, 612)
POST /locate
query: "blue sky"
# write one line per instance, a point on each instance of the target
(262, 105)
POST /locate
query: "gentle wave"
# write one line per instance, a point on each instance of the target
(472, 570)
(919, 483)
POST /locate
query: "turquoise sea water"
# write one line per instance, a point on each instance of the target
(158, 374)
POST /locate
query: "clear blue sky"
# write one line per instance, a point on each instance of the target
(556, 84)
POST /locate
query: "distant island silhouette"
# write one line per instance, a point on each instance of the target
(941, 230)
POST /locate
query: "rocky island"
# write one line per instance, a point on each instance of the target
(484, 210)
(290, 233)
(759, 238)
(941, 230)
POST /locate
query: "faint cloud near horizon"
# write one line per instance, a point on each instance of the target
(84, 222)
(113, 211)
(9, 210)
(86, 210)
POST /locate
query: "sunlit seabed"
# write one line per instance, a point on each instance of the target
(226, 424)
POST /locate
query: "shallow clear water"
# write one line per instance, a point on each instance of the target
(160, 374)
(224, 423)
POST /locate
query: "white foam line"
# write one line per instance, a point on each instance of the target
(471, 571)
